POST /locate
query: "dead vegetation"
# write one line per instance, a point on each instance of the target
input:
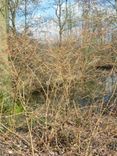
(50, 85)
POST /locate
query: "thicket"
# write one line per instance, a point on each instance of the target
(56, 105)
(57, 98)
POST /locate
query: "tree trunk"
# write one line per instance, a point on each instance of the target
(4, 72)
(116, 6)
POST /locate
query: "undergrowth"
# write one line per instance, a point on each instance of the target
(56, 106)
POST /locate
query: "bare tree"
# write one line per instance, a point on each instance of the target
(26, 10)
(13, 5)
(116, 5)
(113, 5)
(61, 14)
(23, 9)
(72, 16)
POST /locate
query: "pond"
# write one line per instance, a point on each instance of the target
(110, 87)
(109, 84)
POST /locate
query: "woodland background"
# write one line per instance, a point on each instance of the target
(52, 85)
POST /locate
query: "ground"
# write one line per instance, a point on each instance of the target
(75, 132)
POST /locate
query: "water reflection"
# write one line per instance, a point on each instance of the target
(110, 86)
